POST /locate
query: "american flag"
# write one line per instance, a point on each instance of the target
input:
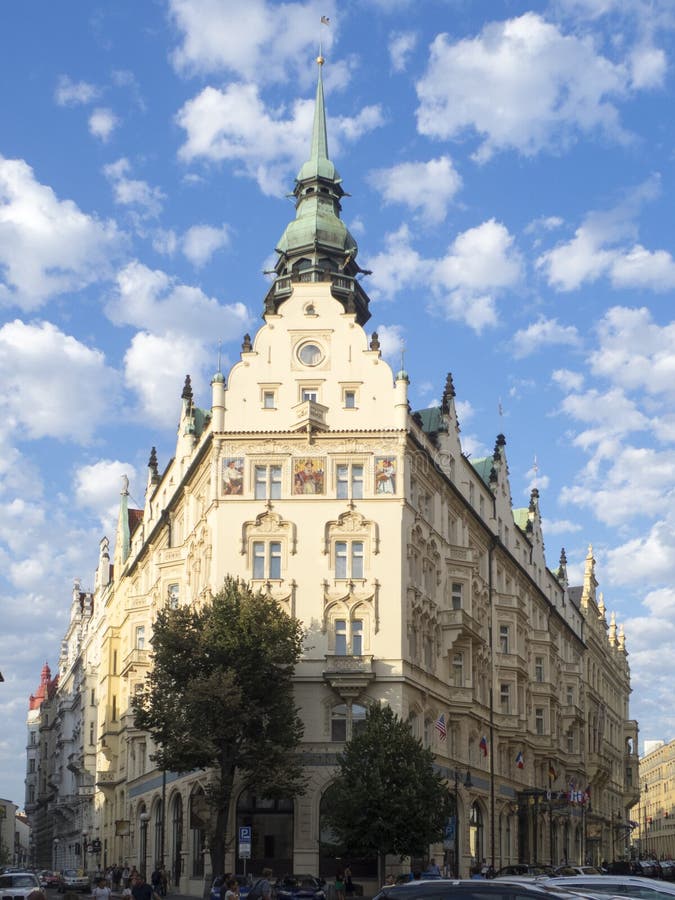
(441, 727)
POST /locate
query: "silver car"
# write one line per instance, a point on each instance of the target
(617, 885)
(20, 886)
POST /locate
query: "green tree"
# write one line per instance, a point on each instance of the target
(219, 697)
(387, 798)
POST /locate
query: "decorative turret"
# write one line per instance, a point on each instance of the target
(590, 581)
(612, 631)
(561, 574)
(153, 469)
(103, 568)
(316, 245)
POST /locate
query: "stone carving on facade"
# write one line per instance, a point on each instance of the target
(268, 524)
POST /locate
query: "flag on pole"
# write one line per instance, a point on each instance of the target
(552, 774)
(483, 745)
(325, 20)
(441, 727)
(520, 760)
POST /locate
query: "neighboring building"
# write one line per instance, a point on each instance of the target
(654, 814)
(418, 583)
(7, 817)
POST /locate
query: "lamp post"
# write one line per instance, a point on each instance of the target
(467, 784)
(144, 819)
(56, 853)
(84, 852)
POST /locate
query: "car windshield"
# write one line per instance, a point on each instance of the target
(626, 889)
(17, 881)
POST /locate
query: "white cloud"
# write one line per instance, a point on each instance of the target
(37, 362)
(568, 380)
(97, 489)
(541, 334)
(155, 366)
(648, 560)
(521, 84)
(392, 343)
(559, 526)
(425, 187)
(481, 263)
(648, 66)
(154, 301)
(102, 123)
(635, 352)
(179, 330)
(256, 40)
(74, 93)
(165, 241)
(200, 242)
(401, 45)
(269, 146)
(146, 200)
(603, 247)
(47, 246)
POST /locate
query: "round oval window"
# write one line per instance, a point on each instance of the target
(310, 354)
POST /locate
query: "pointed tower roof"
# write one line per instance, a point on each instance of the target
(316, 245)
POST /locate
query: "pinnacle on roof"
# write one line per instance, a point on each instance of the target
(187, 389)
(316, 245)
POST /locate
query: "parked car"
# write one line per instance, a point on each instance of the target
(578, 870)
(242, 881)
(71, 880)
(474, 889)
(299, 887)
(667, 869)
(20, 886)
(49, 879)
(524, 870)
(650, 868)
(617, 885)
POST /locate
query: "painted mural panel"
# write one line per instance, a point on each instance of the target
(308, 476)
(233, 475)
(385, 475)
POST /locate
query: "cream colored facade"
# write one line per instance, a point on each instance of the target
(417, 582)
(654, 814)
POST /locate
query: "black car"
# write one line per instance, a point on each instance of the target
(524, 870)
(474, 889)
(299, 887)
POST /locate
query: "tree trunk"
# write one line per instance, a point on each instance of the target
(221, 796)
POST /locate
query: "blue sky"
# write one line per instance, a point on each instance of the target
(511, 175)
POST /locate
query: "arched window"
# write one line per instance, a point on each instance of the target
(476, 839)
(198, 822)
(176, 838)
(346, 720)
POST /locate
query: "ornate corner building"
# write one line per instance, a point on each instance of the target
(418, 583)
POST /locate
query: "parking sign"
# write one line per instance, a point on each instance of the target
(245, 842)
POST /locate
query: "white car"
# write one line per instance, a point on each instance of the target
(20, 886)
(617, 886)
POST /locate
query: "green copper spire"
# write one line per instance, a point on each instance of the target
(316, 245)
(319, 165)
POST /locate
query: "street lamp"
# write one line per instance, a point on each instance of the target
(56, 843)
(144, 819)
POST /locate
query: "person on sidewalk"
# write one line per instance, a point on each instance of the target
(101, 891)
(140, 889)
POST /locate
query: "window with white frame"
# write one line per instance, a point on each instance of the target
(346, 720)
(309, 394)
(539, 668)
(173, 592)
(349, 559)
(266, 560)
(539, 720)
(269, 399)
(267, 482)
(350, 399)
(570, 741)
(349, 481)
(505, 697)
(140, 637)
(456, 594)
(349, 637)
(504, 638)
